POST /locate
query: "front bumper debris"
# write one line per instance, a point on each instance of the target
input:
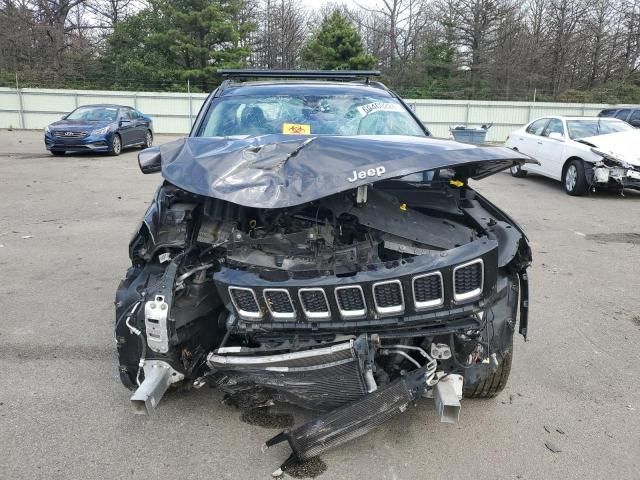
(158, 375)
(612, 171)
(352, 420)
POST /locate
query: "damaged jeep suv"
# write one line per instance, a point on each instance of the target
(311, 244)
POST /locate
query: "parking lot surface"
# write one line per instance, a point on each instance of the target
(65, 224)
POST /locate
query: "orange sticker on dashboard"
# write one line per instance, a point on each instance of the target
(296, 129)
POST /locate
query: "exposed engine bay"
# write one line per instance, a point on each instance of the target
(356, 303)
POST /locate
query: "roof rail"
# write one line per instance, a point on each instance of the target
(326, 74)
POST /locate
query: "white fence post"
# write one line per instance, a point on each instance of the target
(20, 107)
(190, 103)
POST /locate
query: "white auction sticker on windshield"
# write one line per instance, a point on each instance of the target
(379, 107)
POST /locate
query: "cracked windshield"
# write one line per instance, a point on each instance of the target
(308, 115)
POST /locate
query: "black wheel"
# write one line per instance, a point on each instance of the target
(494, 383)
(148, 139)
(483, 381)
(58, 153)
(116, 145)
(516, 171)
(574, 180)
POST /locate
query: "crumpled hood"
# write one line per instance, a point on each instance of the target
(624, 146)
(277, 171)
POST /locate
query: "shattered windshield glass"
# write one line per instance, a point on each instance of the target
(598, 126)
(308, 115)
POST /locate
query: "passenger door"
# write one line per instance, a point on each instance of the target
(141, 125)
(126, 127)
(551, 148)
(527, 142)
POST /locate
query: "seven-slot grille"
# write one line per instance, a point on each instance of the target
(69, 134)
(428, 290)
(314, 302)
(388, 297)
(279, 303)
(351, 301)
(467, 280)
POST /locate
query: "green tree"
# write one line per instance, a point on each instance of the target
(336, 46)
(174, 40)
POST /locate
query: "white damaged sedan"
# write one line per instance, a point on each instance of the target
(584, 153)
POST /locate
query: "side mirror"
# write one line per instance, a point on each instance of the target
(64, 117)
(124, 122)
(556, 136)
(150, 160)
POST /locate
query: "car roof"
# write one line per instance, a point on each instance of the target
(622, 107)
(109, 105)
(306, 87)
(564, 117)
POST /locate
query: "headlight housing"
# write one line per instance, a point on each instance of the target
(101, 131)
(47, 129)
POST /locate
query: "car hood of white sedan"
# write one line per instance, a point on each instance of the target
(621, 145)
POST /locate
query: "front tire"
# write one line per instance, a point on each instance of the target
(148, 139)
(116, 145)
(482, 380)
(574, 180)
(516, 171)
(494, 383)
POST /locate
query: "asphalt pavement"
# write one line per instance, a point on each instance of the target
(65, 224)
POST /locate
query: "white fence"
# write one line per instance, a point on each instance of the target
(174, 112)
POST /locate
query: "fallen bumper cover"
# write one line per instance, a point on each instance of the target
(353, 420)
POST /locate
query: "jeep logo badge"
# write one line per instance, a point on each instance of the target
(362, 174)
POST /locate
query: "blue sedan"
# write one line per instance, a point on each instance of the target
(99, 128)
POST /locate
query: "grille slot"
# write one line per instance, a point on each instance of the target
(246, 303)
(428, 290)
(388, 297)
(314, 303)
(468, 280)
(279, 303)
(69, 134)
(351, 301)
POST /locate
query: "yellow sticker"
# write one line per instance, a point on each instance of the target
(456, 183)
(296, 129)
